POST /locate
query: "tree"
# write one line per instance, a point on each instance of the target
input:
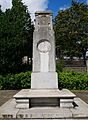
(0, 9)
(16, 37)
(71, 30)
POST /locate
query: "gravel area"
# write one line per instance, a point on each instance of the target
(5, 95)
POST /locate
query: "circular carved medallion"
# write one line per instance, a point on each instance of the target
(44, 46)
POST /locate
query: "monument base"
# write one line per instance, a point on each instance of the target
(8, 111)
(44, 80)
(28, 98)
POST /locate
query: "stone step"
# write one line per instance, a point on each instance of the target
(44, 93)
(8, 111)
(45, 97)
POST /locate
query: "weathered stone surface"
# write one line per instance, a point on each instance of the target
(64, 103)
(9, 112)
(44, 80)
(43, 32)
(44, 68)
(44, 97)
(42, 93)
(45, 113)
(81, 110)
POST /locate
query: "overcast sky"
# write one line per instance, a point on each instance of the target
(38, 5)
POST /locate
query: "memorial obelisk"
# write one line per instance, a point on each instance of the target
(44, 69)
(44, 80)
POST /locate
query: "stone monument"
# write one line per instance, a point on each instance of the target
(44, 100)
(44, 69)
(44, 80)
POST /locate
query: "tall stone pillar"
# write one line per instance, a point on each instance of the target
(44, 80)
(44, 69)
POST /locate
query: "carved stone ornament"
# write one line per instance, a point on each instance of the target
(44, 46)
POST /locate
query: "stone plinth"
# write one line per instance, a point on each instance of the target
(44, 80)
(28, 98)
(8, 111)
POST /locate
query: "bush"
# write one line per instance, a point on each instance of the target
(17, 81)
(73, 80)
(69, 80)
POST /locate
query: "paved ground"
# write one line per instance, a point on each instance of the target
(5, 95)
(82, 94)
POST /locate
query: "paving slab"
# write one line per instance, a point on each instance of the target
(46, 113)
(81, 110)
(8, 109)
(5, 95)
(82, 94)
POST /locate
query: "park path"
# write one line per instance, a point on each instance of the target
(5, 95)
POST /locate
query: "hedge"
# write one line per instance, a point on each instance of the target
(17, 81)
(73, 80)
(69, 80)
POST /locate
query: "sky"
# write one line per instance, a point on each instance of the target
(41, 5)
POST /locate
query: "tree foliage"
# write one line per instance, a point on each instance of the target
(71, 30)
(16, 31)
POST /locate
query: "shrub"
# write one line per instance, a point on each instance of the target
(69, 80)
(73, 80)
(17, 81)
